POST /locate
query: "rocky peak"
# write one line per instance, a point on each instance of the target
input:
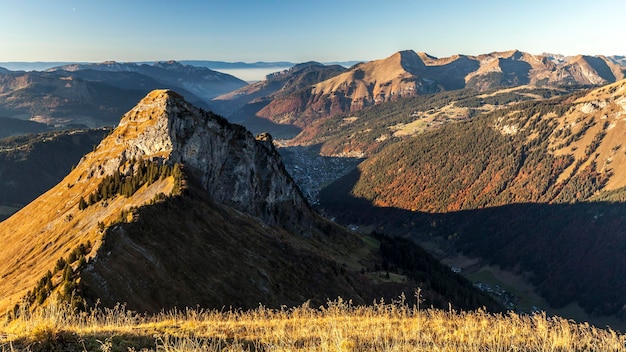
(233, 166)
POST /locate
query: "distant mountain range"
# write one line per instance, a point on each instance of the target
(287, 105)
(200, 81)
(214, 65)
(94, 95)
(407, 74)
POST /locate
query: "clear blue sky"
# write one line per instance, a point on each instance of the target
(302, 30)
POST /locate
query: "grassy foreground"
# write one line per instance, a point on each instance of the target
(339, 326)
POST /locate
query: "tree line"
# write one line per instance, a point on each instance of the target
(144, 173)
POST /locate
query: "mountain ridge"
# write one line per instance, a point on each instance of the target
(200, 81)
(408, 74)
(62, 99)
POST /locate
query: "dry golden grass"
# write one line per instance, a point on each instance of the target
(339, 326)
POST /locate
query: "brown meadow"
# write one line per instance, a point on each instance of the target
(337, 326)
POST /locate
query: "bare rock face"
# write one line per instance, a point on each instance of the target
(233, 166)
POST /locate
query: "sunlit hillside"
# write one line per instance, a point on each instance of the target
(558, 150)
(54, 225)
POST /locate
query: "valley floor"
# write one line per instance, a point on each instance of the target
(338, 326)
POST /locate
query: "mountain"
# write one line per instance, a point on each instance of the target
(513, 68)
(572, 139)
(199, 81)
(362, 85)
(409, 74)
(242, 105)
(535, 188)
(31, 66)
(176, 207)
(364, 132)
(215, 65)
(13, 127)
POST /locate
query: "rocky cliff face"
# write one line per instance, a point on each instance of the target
(233, 166)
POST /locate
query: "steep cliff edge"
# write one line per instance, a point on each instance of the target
(233, 166)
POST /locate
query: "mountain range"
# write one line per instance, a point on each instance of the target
(408, 74)
(176, 207)
(287, 103)
(506, 166)
(95, 95)
(202, 82)
(42, 66)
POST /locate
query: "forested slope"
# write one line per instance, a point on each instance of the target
(535, 188)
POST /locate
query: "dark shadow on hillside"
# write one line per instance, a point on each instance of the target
(32, 164)
(601, 68)
(452, 75)
(575, 252)
(15, 127)
(515, 72)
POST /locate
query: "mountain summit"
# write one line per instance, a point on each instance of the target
(236, 187)
(233, 166)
